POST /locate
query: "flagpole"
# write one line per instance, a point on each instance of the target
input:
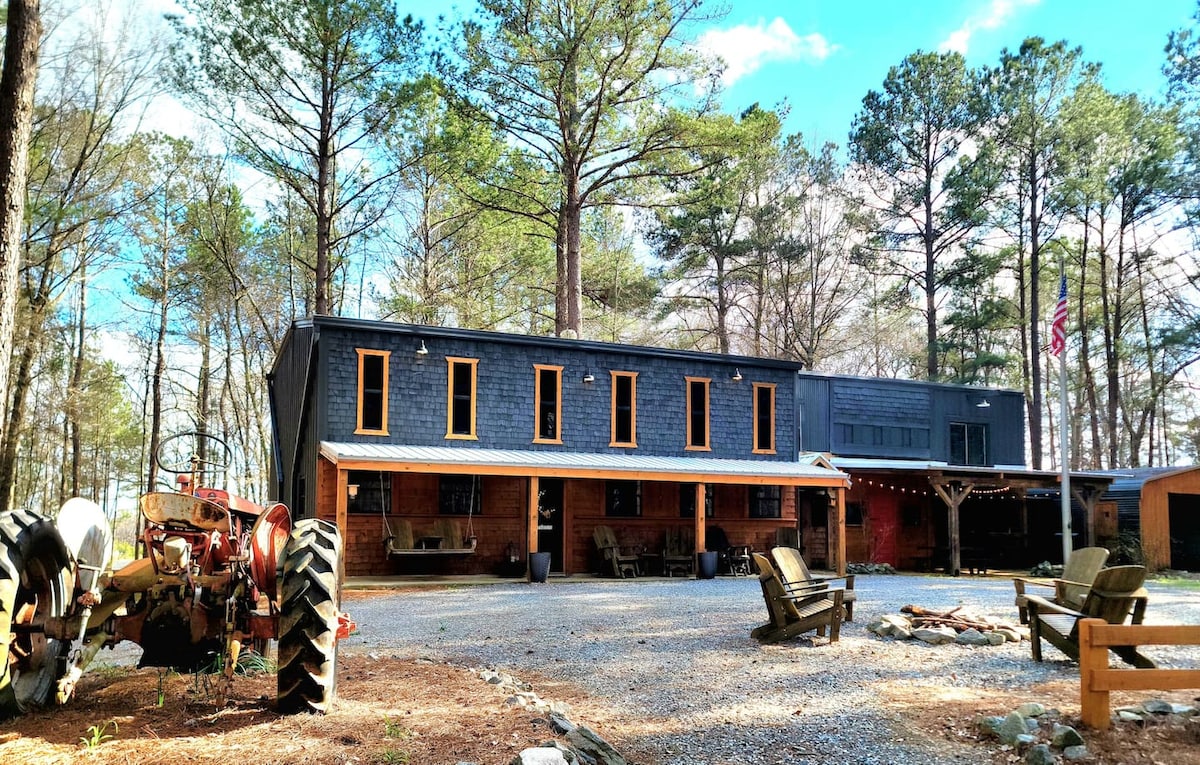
(1064, 431)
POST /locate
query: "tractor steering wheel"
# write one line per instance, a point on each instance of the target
(174, 456)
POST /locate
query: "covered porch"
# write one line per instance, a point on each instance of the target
(515, 502)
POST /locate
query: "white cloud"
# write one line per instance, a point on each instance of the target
(991, 16)
(745, 48)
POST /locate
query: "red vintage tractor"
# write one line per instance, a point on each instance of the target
(220, 573)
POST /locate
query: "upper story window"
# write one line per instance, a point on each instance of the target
(697, 414)
(968, 443)
(460, 397)
(624, 409)
(547, 404)
(372, 392)
(764, 418)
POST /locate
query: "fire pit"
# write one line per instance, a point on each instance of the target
(958, 625)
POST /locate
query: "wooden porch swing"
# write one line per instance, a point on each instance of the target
(444, 538)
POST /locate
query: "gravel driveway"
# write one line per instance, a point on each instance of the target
(677, 653)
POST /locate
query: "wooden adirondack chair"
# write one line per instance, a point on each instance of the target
(679, 552)
(1116, 595)
(794, 573)
(795, 611)
(623, 562)
(1072, 587)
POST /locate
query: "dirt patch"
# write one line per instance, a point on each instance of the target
(388, 711)
(393, 710)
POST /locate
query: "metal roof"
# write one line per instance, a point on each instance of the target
(999, 472)
(808, 470)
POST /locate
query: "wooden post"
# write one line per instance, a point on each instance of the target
(699, 520)
(531, 521)
(953, 494)
(1093, 704)
(341, 501)
(837, 532)
(1087, 497)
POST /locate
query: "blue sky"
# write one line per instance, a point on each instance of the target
(824, 55)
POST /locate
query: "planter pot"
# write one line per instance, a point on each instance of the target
(707, 568)
(539, 566)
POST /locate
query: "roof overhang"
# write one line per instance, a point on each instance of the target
(1011, 476)
(809, 470)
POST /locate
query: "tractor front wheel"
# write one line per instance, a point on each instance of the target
(310, 602)
(32, 590)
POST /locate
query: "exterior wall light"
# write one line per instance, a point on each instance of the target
(737, 375)
(589, 378)
(422, 350)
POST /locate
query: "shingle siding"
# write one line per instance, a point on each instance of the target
(417, 392)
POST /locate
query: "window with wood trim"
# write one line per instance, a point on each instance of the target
(370, 491)
(460, 398)
(372, 392)
(765, 502)
(460, 495)
(624, 409)
(764, 418)
(547, 404)
(697, 414)
(622, 499)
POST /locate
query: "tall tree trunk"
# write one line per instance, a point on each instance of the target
(1035, 318)
(76, 386)
(160, 359)
(21, 48)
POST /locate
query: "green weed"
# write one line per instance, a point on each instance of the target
(98, 734)
(394, 729)
(396, 757)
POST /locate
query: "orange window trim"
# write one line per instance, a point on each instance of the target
(706, 446)
(537, 403)
(771, 443)
(632, 377)
(474, 365)
(359, 430)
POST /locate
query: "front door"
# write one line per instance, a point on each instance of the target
(550, 521)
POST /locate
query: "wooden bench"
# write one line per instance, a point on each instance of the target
(1097, 679)
(444, 538)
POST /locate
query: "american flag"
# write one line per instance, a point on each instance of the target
(1058, 327)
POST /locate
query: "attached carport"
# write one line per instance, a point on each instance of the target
(954, 484)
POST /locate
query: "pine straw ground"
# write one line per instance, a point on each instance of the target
(393, 710)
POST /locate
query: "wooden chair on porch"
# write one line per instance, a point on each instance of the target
(623, 561)
(794, 573)
(793, 611)
(679, 551)
(734, 558)
(1116, 595)
(1071, 588)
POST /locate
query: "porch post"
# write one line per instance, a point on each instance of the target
(953, 494)
(698, 520)
(531, 522)
(1087, 496)
(837, 532)
(341, 500)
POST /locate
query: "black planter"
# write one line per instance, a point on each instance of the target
(539, 566)
(708, 565)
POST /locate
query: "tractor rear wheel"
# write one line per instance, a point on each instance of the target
(32, 590)
(310, 603)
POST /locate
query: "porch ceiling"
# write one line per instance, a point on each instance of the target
(810, 470)
(1011, 476)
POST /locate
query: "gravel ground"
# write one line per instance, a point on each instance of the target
(677, 654)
